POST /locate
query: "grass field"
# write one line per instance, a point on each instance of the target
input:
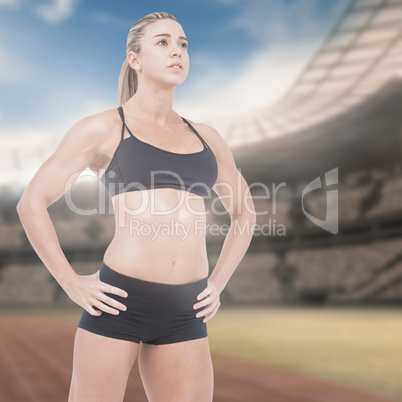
(358, 347)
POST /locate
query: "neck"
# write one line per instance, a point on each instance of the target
(153, 102)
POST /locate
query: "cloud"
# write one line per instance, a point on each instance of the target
(261, 80)
(52, 11)
(56, 11)
(21, 154)
(285, 36)
(12, 71)
(10, 3)
(104, 18)
(279, 21)
(24, 149)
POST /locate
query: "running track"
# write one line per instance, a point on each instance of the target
(36, 362)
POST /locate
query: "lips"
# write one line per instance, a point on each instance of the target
(177, 64)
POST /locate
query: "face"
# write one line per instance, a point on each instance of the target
(159, 51)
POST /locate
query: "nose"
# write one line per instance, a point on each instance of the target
(176, 50)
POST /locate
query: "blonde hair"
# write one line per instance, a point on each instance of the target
(128, 80)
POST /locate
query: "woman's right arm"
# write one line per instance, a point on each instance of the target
(79, 149)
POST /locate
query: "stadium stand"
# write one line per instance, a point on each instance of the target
(343, 111)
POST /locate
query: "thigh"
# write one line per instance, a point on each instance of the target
(101, 366)
(179, 372)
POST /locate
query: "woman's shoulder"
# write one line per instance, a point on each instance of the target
(212, 136)
(102, 121)
(97, 127)
(96, 132)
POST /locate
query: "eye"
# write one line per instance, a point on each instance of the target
(184, 43)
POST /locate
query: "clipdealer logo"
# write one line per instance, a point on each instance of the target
(330, 223)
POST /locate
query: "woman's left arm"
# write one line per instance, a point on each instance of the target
(234, 193)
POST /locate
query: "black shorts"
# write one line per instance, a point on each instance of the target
(157, 313)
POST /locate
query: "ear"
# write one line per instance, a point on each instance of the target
(133, 61)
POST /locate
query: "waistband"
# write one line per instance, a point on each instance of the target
(147, 294)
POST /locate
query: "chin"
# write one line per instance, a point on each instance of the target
(174, 81)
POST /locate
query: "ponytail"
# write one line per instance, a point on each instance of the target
(128, 83)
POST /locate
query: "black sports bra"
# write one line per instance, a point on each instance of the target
(137, 165)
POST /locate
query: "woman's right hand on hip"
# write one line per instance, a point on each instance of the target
(89, 291)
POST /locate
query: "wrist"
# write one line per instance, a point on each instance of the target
(217, 284)
(67, 282)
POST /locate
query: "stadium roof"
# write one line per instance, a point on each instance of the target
(362, 53)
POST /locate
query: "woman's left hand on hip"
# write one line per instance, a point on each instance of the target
(212, 301)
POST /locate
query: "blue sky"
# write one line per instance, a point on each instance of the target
(61, 59)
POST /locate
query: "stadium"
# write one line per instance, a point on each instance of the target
(322, 279)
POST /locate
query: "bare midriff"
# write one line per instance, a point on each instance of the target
(159, 236)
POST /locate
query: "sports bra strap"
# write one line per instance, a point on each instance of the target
(121, 112)
(196, 132)
(120, 109)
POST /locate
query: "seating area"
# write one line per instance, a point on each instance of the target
(339, 273)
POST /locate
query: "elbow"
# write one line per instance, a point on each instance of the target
(30, 207)
(20, 208)
(30, 204)
(245, 223)
(23, 205)
(245, 216)
(20, 212)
